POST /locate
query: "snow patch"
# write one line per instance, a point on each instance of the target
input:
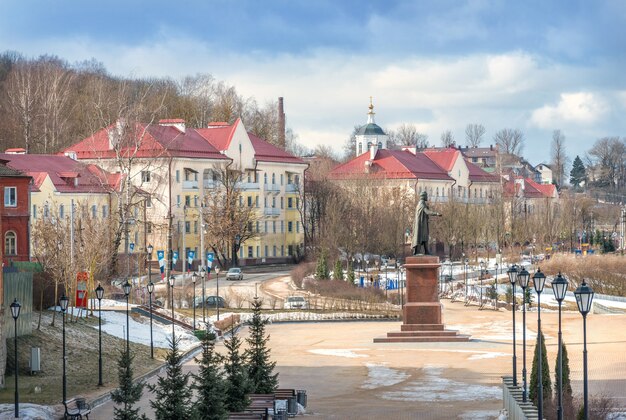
(27, 411)
(481, 415)
(433, 387)
(349, 353)
(380, 375)
(486, 355)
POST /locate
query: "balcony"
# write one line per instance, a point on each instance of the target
(291, 188)
(190, 185)
(274, 188)
(271, 212)
(248, 186)
(210, 183)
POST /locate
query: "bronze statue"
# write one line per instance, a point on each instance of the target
(420, 225)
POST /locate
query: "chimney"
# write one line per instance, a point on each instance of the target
(491, 147)
(178, 123)
(373, 149)
(281, 123)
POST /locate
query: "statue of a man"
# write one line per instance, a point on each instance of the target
(420, 225)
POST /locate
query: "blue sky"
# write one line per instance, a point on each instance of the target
(532, 65)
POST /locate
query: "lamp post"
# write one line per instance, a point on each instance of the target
(15, 312)
(465, 270)
(126, 288)
(99, 295)
(496, 265)
(359, 269)
(512, 273)
(539, 280)
(171, 280)
(202, 273)
(63, 302)
(217, 303)
(559, 288)
(149, 248)
(483, 265)
(584, 299)
(523, 277)
(194, 278)
(150, 290)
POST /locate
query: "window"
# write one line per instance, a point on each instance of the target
(149, 227)
(10, 196)
(250, 252)
(290, 250)
(249, 201)
(282, 226)
(267, 251)
(274, 226)
(265, 179)
(274, 251)
(281, 179)
(149, 202)
(177, 175)
(273, 178)
(297, 180)
(10, 243)
(273, 202)
(195, 201)
(297, 202)
(290, 202)
(249, 177)
(188, 201)
(61, 211)
(380, 144)
(265, 202)
(289, 179)
(266, 227)
(178, 200)
(282, 250)
(289, 227)
(258, 224)
(249, 226)
(282, 202)
(187, 227)
(258, 251)
(34, 211)
(145, 176)
(360, 149)
(256, 201)
(297, 227)
(105, 211)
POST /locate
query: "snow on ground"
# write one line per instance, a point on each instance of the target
(298, 316)
(433, 387)
(27, 411)
(379, 375)
(497, 331)
(349, 353)
(480, 415)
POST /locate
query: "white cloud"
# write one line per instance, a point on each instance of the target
(582, 108)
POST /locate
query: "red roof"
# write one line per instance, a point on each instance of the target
(219, 135)
(90, 178)
(444, 158)
(156, 141)
(531, 188)
(391, 164)
(267, 152)
(477, 174)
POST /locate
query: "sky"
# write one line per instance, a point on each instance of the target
(441, 64)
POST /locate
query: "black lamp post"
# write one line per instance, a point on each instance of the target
(149, 248)
(483, 265)
(559, 288)
(217, 303)
(15, 312)
(466, 285)
(194, 278)
(523, 277)
(202, 273)
(512, 273)
(359, 270)
(150, 290)
(126, 288)
(63, 302)
(539, 280)
(584, 299)
(171, 280)
(99, 295)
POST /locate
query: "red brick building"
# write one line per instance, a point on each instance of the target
(14, 186)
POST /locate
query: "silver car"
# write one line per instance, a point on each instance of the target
(234, 274)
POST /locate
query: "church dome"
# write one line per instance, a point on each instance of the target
(370, 129)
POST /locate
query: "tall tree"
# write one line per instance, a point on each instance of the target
(559, 157)
(172, 399)
(509, 141)
(338, 270)
(23, 92)
(447, 138)
(209, 383)
(578, 174)
(238, 385)
(608, 154)
(540, 351)
(568, 406)
(408, 135)
(474, 134)
(260, 367)
(128, 393)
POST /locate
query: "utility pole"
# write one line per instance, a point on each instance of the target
(184, 253)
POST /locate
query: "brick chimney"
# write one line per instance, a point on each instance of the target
(281, 123)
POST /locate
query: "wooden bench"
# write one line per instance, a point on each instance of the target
(244, 416)
(76, 408)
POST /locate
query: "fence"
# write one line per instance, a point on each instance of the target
(20, 286)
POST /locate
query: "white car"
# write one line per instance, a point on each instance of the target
(296, 302)
(234, 274)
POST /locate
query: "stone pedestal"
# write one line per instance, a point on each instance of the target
(422, 313)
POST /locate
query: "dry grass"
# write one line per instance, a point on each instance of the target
(606, 274)
(300, 272)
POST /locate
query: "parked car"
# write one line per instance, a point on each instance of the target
(234, 274)
(211, 302)
(296, 302)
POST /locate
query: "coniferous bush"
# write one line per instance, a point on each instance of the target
(128, 393)
(321, 271)
(260, 367)
(540, 351)
(237, 383)
(568, 397)
(350, 274)
(209, 383)
(172, 391)
(338, 271)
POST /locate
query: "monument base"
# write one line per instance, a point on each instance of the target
(422, 314)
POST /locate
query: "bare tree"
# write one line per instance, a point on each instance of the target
(22, 91)
(474, 134)
(559, 157)
(510, 141)
(608, 155)
(407, 135)
(447, 139)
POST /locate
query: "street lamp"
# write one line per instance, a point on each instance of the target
(63, 302)
(559, 288)
(584, 299)
(483, 265)
(466, 285)
(171, 280)
(512, 273)
(202, 273)
(194, 278)
(126, 288)
(359, 270)
(99, 295)
(149, 248)
(217, 303)
(539, 280)
(15, 312)
(496, 265)
(150, 290)
(523, 277)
